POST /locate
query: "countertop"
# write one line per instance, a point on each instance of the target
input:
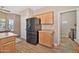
(7, 34)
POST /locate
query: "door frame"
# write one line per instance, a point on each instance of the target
(60, 20)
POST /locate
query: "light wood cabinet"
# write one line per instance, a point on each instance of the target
(7, 45)
(46, 38)
(46, 18)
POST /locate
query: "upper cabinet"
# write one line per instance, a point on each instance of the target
(46, 18)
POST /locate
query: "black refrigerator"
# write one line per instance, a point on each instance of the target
(33, 26)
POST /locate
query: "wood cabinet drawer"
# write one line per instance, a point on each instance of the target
(6, 40)
(8, 47)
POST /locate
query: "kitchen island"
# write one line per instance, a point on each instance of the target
(7, 42)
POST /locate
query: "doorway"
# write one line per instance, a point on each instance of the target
(68, 24)
(67, 30)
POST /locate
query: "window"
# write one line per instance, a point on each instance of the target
(2, 24)
(11, 24)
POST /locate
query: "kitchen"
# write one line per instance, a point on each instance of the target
(48, 35)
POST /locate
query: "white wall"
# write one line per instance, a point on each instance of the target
(68, 21)
(24, 15)
(23, 27)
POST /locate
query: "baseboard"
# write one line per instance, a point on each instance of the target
(56, 45)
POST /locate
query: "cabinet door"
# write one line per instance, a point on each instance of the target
(8, 39)
(42, 38)
(47, 18)
(46, 38)
(49, 39)
(8, 47)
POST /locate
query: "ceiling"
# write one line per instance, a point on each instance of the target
(17, 9)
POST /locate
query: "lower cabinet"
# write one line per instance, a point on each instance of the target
(46, 38)
(8, 46)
